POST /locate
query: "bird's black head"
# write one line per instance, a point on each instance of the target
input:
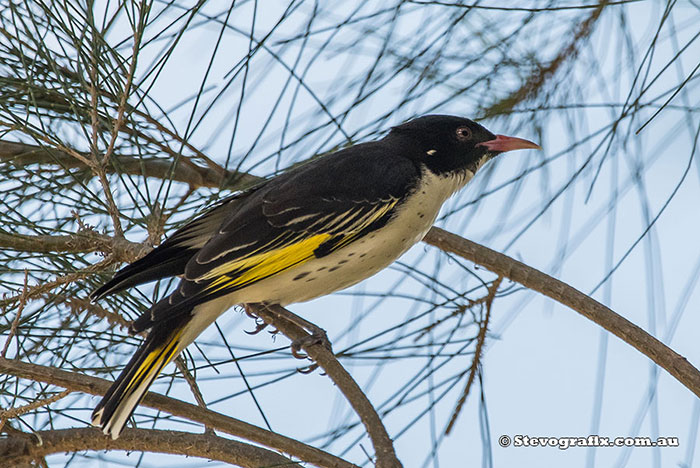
(448, 144)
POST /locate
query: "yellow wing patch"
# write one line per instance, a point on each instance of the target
(266, 261)
(264, 264)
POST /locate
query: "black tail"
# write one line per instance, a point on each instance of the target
(161, 347)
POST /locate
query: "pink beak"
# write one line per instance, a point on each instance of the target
(504, 143)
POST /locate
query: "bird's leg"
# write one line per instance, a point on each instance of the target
(272, 312)
(317, 334)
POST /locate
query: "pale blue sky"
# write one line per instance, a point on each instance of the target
(543, 361)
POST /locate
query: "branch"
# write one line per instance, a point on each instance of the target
(208, 418)
(383, 445)
(84, 241)
(665, 357)
(25, 449)
(24, 154)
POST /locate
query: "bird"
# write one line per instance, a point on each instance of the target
(312, 230)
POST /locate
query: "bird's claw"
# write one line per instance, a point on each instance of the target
(318, 336)
(308, 369)
(296, 349)
(249, 312)
(259, 326)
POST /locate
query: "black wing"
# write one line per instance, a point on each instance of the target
(171, 257)
(308, 212)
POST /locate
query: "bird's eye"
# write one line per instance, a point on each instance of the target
(464, 133)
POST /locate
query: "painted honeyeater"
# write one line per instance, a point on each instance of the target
(315, 229)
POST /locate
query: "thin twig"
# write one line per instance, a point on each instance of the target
(98, 166)
(18, 314)
(476, 362)
(20, 410)
(534, 84)
(121, 107)
(77, 305)
(42, 288)
(194, 388)
(458, 311)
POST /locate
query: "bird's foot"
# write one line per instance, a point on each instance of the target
(317, 335)
(260, 324)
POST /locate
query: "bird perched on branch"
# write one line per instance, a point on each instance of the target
(318, 228)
